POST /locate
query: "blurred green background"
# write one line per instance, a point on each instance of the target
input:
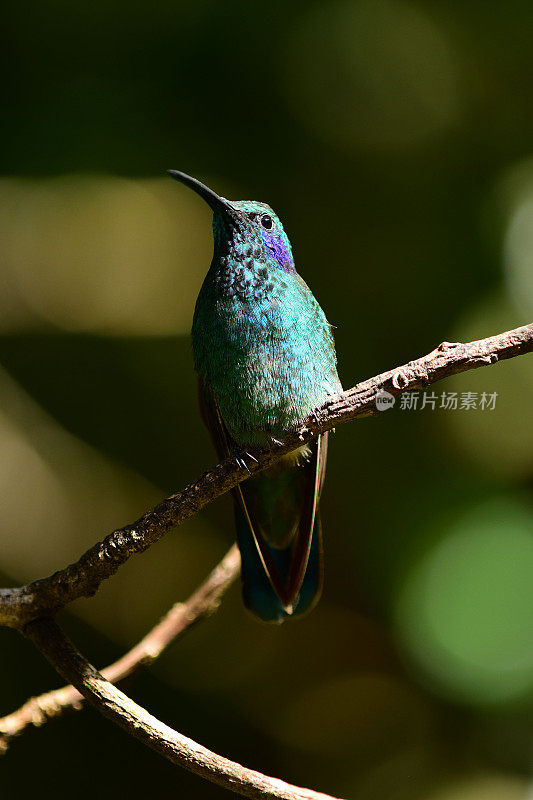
(395, 139)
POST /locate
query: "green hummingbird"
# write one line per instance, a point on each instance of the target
(265, 358)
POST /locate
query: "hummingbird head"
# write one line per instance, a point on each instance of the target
(268, 228)
(243, 225)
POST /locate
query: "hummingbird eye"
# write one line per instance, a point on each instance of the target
(266, 222)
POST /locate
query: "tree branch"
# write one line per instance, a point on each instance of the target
(19, 606)
(179, 749)
(180, 618)
(23, 607)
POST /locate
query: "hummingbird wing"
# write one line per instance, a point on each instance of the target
(278, 524)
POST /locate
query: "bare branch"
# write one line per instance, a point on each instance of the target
(179, 749)
(180, 618)
(21, 608)
(20, 605)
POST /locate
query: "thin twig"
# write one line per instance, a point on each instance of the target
(20, 605)
(180, 618)
(179, 749)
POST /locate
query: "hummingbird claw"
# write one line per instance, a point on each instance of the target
(316, 415)
(240, 458)
(242, 464)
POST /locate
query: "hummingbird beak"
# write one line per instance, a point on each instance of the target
(219, 204)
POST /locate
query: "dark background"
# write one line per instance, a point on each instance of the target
(395, 140)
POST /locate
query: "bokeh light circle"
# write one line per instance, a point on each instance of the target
(463, 613)
(372, 74)
(515, 194)
(100, 254)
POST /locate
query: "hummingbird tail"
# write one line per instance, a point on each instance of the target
(280, 536)
(258, 593)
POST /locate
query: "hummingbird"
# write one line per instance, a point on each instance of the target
(265, 357)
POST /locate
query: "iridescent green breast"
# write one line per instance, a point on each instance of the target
(263, 344)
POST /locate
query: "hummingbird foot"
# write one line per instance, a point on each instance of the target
(316, 414)
(242, 464)
(240, 457)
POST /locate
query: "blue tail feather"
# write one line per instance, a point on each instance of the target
(258, 593)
